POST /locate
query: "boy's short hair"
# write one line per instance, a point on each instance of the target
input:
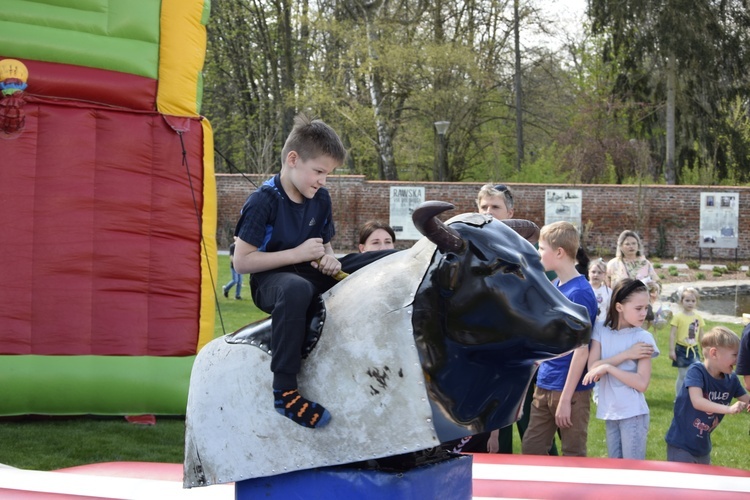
(720, 336)
(489, 190)
(312, 139)
(371, 226)
(561, 234)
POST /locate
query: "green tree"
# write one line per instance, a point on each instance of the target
(257, 52)
(690, 56)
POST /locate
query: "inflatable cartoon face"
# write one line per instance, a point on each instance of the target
(427, 344)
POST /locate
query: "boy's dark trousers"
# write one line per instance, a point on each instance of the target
(287, 295)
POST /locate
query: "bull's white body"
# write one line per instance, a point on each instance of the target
(365, 370)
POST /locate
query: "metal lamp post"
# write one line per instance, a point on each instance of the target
(441, 128)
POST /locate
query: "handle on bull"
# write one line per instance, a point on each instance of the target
(339, 275)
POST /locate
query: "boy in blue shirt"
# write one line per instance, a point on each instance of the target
(743, 356)
(704, 398)
(284, 241)
(561, 401)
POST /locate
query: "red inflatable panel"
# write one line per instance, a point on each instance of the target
(90, 85)
(100, 234)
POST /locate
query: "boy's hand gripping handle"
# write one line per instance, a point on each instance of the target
(339, 275)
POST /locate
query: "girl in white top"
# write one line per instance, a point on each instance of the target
(603, 293)
(620, 360)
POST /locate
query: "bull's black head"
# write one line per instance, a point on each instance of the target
(484, 314)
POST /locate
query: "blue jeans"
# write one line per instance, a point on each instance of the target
(236, 280)
(627, 438)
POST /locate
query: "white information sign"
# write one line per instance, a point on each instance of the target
(404, 199)
(563, 204)
(719, 220)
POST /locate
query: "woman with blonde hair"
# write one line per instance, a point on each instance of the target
(629, 261)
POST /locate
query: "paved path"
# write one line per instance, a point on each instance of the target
(704, 267)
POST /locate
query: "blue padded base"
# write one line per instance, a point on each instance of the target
(449, 478)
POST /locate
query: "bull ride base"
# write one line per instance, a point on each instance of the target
(445, 478)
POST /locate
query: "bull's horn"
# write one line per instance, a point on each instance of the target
(525, 228)
(425, 220)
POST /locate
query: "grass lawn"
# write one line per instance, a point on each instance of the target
(232, 314)
(52, 443)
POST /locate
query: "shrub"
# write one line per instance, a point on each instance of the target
(733, 267)
(662, 276)
(673, 271)
(692, 264)
(700, 276)
(720, 270)
(657, 265)
(601, 251)
(716, 273)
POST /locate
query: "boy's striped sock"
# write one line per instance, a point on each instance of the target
(300, 410)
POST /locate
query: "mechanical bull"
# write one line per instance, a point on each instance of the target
(423, 346)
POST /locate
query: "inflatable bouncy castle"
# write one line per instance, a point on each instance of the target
(107, 205)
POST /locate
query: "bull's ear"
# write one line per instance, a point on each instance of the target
(425, 220)
(525, 228)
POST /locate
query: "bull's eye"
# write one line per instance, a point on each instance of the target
(507, 268)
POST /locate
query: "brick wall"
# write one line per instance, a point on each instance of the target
(606, 211)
